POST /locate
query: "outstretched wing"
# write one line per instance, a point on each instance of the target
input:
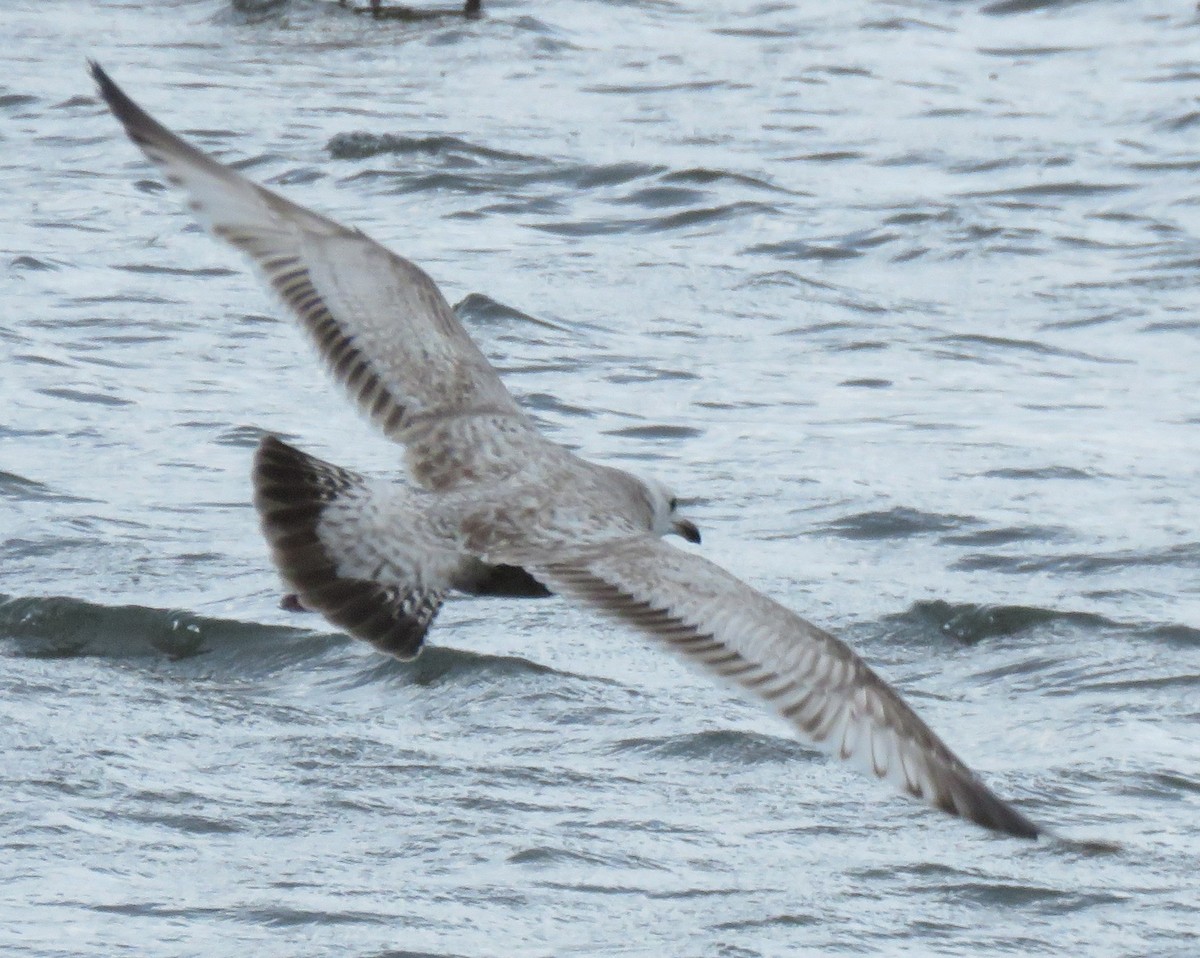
(379, 322)
(828, 694)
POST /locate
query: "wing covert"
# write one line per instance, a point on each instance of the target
(380, 323)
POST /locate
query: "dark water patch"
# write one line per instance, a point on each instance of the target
(1060, 190)
(440, 664)
(524, 206)
(723, 746)
(832, 156)
(76, 226)
(510, 183)
(1002, 343)
(989, 165)
(652, 224)
(253, 11)
(914, 217)
(41, 360)
(657, 197)
(298, 176)
(846, 247)
(1173, 784)
(544, 402)
(274, 917)
(1045, 472)
(1186, 555)
(1184, 121)
(1042, 898)
(650, 375)
(1005, 535)
(654, 433)
(16, 548)
(756, 33)
(737, 404)
(1009, 7)
(898, 523)
(10, 100)
(150, 268)
(1173, 326)
(1028, 52)
(77, 395)
(860, 346)
(557, 365)
(404, 953)
(774, 921)
(969, 623)
(611, 174)
(546, 856)
(240, 437)
(56, 627)
(867, 383)
(1141, 685)
(13, 486)
(361, 145)
(149, 187)
(191, 824)
(1182, 635)
(801, 249)
(32, 263)
(921, 871)
(1084, 322)
(132, 339)
(785, 277)
(640, 89)
(476, 309)
(1160, 166)
(407, 181)
(704, 177)
(121, 299)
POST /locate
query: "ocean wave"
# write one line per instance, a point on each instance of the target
(360, 145)
(438, 665)
(969, 623)
(723, 746)
(55, 627)
(63, 627)
(898, 523)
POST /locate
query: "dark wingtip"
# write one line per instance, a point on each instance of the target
(140, 126)
(108, 88)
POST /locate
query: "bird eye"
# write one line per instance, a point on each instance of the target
(673, 504)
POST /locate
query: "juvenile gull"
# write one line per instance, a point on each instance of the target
(494, 507)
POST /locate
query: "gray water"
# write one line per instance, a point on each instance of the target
(902, 295)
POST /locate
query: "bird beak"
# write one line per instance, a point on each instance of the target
(687, 530)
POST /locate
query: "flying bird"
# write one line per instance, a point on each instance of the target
(494, 507)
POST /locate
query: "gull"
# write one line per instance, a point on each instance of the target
(493, 507)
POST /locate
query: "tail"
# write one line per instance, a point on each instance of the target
(315, 517)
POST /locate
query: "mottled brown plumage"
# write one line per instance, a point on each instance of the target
(494, 505)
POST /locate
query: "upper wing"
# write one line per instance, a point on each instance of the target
(379, 321)
(809, 677)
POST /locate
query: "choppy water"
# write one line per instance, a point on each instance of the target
(902, 294)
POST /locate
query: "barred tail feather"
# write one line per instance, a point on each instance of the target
(293, 492)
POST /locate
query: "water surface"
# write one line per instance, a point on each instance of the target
(901, 295)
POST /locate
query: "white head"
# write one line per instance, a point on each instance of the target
(665, 519)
